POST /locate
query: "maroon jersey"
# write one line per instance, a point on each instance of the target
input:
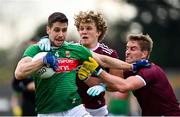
(97, 101)
(156, 97)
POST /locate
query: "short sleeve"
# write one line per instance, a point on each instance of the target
(31, 51)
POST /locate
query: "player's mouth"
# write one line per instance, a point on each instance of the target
(59, 41)
(84, 37)
(128, 58)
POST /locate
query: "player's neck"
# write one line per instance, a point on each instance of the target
(94, 47)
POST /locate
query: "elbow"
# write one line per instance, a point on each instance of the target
(18, 75)
(123, 88)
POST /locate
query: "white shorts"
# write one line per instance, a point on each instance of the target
(103, 111)
(78, 111)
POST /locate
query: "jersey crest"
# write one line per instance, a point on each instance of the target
(67, 54)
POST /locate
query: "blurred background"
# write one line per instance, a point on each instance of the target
(24, 20)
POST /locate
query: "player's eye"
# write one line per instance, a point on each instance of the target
(89, 28)
(81, 28)
(64, 30)
(56, 29)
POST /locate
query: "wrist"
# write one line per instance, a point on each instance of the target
(134, 67)
(104, 86)
(98, 70)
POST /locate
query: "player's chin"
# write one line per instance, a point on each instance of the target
(85, 43)
(58, 43)
(128, 60)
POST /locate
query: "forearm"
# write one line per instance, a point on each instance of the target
(116, 63)
(116, 72)
(26, 67)
(93, 81)
(114, 83)
(110, 62)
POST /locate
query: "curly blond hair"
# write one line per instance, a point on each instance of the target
(89, 17)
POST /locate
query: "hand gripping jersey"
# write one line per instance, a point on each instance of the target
(156, 98)
(97, 101)
(59, 92)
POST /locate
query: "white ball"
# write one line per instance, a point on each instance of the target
(39, 55)
(43, 72)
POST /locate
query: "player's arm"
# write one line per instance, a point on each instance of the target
(119, 73)
(26, 67)
(116, 72)
(118, 83)
(123, 85)
(110, 62)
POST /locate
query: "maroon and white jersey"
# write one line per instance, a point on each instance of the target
(97, 101)
(156, 98)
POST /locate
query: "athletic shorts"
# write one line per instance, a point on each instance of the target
(78, 111)
(103, 111)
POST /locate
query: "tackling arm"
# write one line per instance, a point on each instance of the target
(116, 72)
(110, 62)
(120, 84)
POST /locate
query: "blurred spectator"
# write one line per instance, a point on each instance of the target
(23, 97)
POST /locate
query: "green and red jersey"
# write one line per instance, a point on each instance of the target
(59, 92)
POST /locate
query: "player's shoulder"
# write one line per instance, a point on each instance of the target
(33, 46)
(156, 68)
(153, 73)
(106, 49)
(72, 44)
(31, 50)
(150, 71)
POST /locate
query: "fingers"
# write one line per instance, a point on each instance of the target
(88, 65)
(44, 44)
(93, 61)
(47, 46)
(93, 91)
(83, 73)
(41, 46)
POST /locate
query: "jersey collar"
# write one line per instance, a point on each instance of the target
(93, 49)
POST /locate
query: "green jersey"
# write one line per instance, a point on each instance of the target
(59, 92)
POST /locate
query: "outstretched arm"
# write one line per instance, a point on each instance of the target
(110, 62)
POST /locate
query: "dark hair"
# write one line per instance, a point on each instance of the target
(57, 17)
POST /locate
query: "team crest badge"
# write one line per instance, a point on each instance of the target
(67, 54)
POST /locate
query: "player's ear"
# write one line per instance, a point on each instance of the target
(47, 29)
(99, 33)
(145, 54)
